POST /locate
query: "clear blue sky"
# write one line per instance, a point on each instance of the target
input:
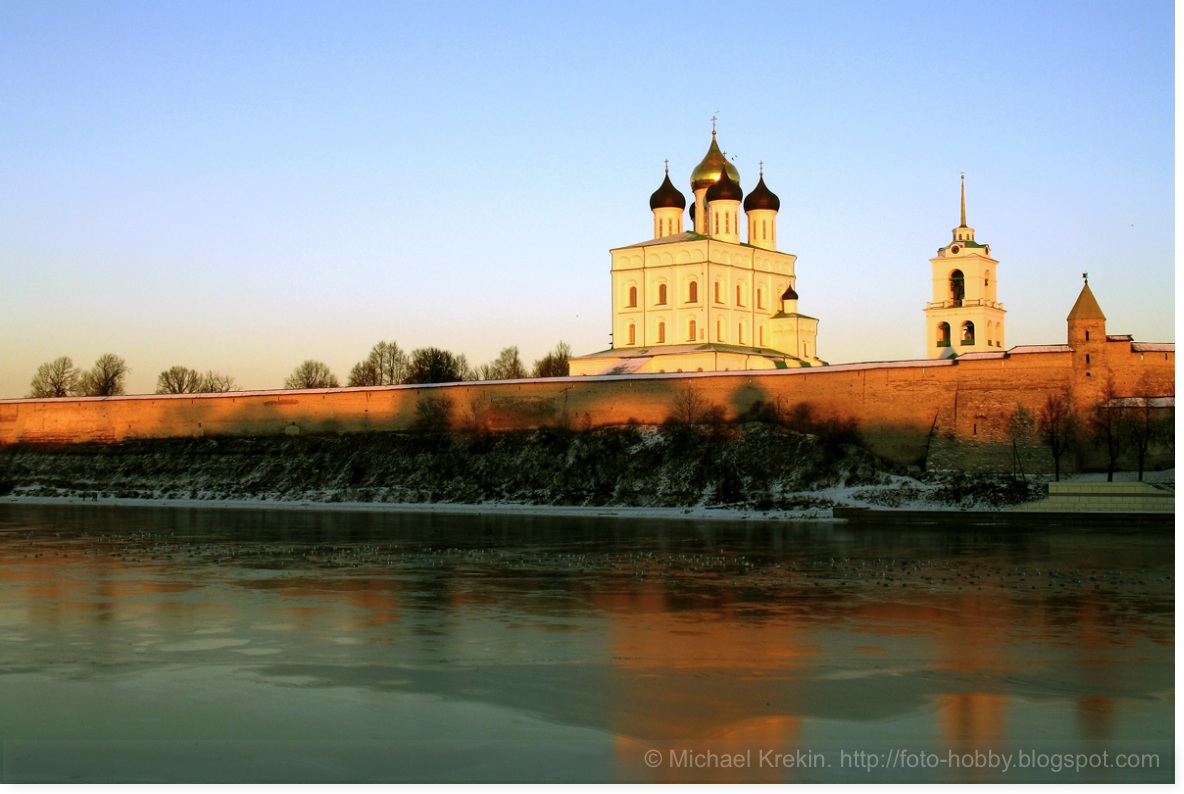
(240, 186)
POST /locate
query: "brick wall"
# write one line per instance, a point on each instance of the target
(951, 413)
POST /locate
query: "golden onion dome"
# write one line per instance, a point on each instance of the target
(707, 172)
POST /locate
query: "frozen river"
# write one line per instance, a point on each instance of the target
(211, 645)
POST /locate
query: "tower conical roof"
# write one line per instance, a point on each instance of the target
(667, 195)
(1087, 307)
(761, 198)
(714, 163)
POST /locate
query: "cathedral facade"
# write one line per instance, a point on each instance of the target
(702, 300)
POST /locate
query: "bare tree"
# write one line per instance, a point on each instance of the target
(1148, 422)
(1057, 427)
(57, 378)
(179, 380)
(311, 375)
(466, 372)
(433, 414)
(1021, 429)
(1108, 429)
(506, 366)
(182, 380)
(106, 378)
(688, 407)
(214, 382)
(555, 364)
(433, 365)
(386, 365)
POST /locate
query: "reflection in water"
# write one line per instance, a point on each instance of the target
(373, 646)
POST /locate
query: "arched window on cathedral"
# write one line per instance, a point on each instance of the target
(693, 292)
(943, 334)
(957, 287)
(719, 330)
(632, 298)
(632, 334)
(968, 333)
(740, 334)
(661, 294)
(691, 330)
(761, 336)
(719, 296)
(760, 298)
(739, 294)
(661, 332)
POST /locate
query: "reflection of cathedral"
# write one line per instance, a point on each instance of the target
(702, 300)
(965, 315)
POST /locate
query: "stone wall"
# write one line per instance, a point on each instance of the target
(1105, 497)
(949, 413)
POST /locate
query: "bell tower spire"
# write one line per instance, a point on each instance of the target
(963, 199)
(963, 233)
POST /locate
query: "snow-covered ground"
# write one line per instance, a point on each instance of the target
(900, 493)
(754, 471)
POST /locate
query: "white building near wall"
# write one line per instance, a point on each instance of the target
(702, 300)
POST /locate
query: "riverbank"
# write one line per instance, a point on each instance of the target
(850, 504)
(747, 472)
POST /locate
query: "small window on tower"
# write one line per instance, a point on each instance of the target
(632, 298)
(661, 294)
(943, 334)
(693, 292)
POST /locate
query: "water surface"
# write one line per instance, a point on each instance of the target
(209, 645)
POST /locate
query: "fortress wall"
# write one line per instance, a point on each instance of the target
(906, 411)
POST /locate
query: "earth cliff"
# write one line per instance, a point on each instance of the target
(754, 466)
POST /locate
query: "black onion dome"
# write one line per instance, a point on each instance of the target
(789, 294)
(761, 198)
(667, 195)
(725, 189)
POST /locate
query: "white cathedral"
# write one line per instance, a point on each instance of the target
(702, 300)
